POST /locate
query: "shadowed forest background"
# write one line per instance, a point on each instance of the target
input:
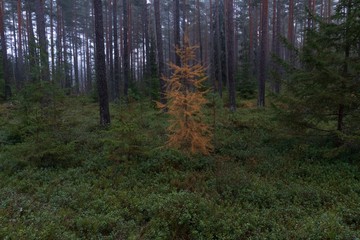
(179, 119)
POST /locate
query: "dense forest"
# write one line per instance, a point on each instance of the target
(179, 119)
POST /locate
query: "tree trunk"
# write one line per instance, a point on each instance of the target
(52, 39)
(160, 53)
(277, 50)
(20, 46)
(116, 54)
(263, 53)
(40, 26)
(218, 49)
(229, 10)
(33, 57)
(126, 56)
(291, 36)
(345, 71)
(177, 30)
(100, 65)
(111, 48)
(198, 20)
(5, 64)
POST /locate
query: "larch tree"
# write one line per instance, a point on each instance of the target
(100, 65)
(185, 100)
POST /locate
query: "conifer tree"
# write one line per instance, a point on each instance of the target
(325, 93)
(185, 99)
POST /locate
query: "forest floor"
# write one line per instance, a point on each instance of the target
(63, 177)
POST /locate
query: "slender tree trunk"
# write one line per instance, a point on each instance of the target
(147, 40)
(52, 39)
(198, 20)
(251, 35)
(290, 36)
(263, 53)
(76, 63)
(68, 83)
(277, 50)
(100, 65)
(33, 58)
(211, 48)
(20, 45)
(160, 54)
(59, 60)
(341, 108)
(177, 30)
(126, 56)
(88, 66)
(229, 10)
(5, 64)
(40, 26)
(111, 48)
(218, 49)
(116, 54)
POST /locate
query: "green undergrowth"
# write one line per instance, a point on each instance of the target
(67, 178)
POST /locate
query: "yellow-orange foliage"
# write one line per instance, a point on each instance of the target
(185, 99)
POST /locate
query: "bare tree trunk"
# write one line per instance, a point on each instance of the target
(126, 56)
(5, 64)
(251, 35)
(290, 36)
(52, 39)
(33, 58)
(177, 30)
(160, 53)
(65, 55)
(229, 10)
(100, 65)
(116, 54)
(218, 49)
(20, 46)
(198, 19)
(263, 53)
(111, 48)
(40, 26)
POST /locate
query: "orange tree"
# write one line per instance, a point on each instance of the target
(185, 101)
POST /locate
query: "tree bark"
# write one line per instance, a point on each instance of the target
(177, 30)
(40, 26)
(263, 54)
(218, 51)
(229, 11)
(160, 50)
(20, 46)
(52, 39)
(198, 20)
(100, 65)
(116, 54)
(126, 56)
(5, 64)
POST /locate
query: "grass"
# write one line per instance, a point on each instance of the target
(66, 178)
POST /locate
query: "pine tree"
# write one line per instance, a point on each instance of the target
(325, 93)
(185, 99)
